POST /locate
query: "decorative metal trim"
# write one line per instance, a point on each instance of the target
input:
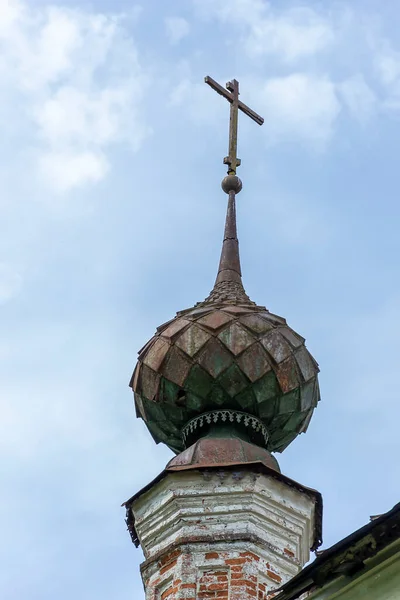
(225, 416)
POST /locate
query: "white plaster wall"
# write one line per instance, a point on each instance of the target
(219, 505)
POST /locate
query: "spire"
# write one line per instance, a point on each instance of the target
(229, 264)
(228, 286)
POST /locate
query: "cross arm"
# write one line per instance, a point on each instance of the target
(218, 88)
(229, 96)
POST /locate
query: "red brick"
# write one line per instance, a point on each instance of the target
(169, 557)
(235, 561)
(274, 576)
(168, 566)
(250, 555)
(211, 555)
(216, 587)
(167, 593)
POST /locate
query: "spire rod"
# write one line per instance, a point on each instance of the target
(229, 270)
(229, 264)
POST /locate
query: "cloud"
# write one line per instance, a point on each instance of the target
(369, 379)
(387, 68)
(189, 94)
(65, 170)
(10, 283)
(387, 64)
(78, 77)
(359, 98)
(176, 28)
(300, 106)
(290, 34)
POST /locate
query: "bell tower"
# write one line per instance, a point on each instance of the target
(224, 384)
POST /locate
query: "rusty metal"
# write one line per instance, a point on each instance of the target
(232, 95)
(235, 356)
(218, 452)
(229, 265)
(232, 160)
(226, 422)
(226, 352)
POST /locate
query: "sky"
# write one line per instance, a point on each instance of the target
(111, 219)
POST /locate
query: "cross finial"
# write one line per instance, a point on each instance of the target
(231, 93)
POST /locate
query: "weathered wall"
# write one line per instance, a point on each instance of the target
(222, 534)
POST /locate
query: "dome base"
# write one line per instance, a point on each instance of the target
(221, 451)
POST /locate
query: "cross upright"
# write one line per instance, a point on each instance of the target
(231, 93)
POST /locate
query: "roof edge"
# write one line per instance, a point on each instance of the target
(256, 465)
(385, 529)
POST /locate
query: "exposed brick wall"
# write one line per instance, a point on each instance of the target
(222, 535)
(185, 574)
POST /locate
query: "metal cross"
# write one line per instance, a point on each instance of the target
(232, 95)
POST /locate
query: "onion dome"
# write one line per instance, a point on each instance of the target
(226, 362)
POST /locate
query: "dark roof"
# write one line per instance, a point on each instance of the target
(345, 557)
(257, 466)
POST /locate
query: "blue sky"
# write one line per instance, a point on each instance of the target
(111, 221)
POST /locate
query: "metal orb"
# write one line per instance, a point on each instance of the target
(231, 183)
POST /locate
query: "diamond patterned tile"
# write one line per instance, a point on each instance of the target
(177, 414)
(194, 403)
(149, 381)
(215, 320)
(276, 319)
(246, 400)
(218, 396)
(289, 403)
(308, 394)
(237, 310)
(156, 354)
(235, 338)
(277, 423)
(144, 349)
(176, 366)
(307, 420)
(135, 377)
(317, 392)
(266, 387)
(295, 422)
(168, 391)
(233, 380)
(176, 326)
(292, 337)
(198, 382)
(288, 375)
(266, 409)
(192, 340)
(284, 441)
(254, 362)
(154, 410)
(197, 312)
(139, 407)
(307, 366)
(256, 323)
(276, 346)
(214, 358)
(165, 325)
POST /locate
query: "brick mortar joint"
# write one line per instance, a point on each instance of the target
(181, 543)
